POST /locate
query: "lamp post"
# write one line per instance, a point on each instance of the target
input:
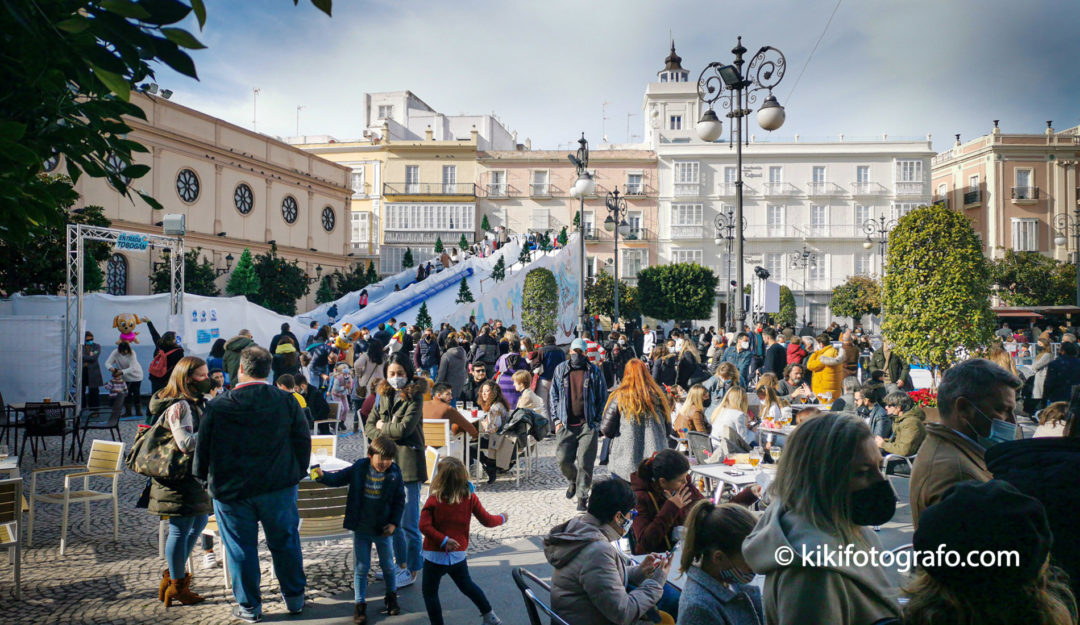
(804, 259)
(585, 185)
(1070, 227)
(616, 222)
(318, 275)
(764, 72)
(878, 229)
(725, 231)
(228, 265)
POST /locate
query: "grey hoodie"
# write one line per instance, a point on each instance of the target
(590, 577)
(828, 593)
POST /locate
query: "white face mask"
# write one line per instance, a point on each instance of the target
(678, 344)
(398, 383)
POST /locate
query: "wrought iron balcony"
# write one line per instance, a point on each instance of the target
(639, 234)
(495, 190)
(972, 197)
(780, 189)
(820, 189)
(429, 188)
(865, 189)
(1025, 193)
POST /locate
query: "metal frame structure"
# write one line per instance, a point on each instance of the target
(77, 235)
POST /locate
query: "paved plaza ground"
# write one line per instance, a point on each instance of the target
(100, 582)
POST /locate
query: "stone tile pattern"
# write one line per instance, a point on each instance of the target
(100, 581)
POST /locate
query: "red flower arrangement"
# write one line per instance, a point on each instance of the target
(924, 398)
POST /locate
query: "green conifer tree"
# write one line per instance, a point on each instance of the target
(485, 225)
(243, 281)
(438, 245)
(407, 260)
(498, 272)
(423, 317)
(562, 237)
(464, 294)
(371, 275)
(463, 243)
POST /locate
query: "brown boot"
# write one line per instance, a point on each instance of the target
(359, 616)
(164, 584)
(391, 607)
(179, 590)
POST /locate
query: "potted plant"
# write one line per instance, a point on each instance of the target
(927, 400)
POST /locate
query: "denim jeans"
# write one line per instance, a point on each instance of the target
(183, 532)
(238, 522)
(408, 543)
(362, 555)
(575, 453)
(433, 574)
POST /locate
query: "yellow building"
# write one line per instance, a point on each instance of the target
(237, 188)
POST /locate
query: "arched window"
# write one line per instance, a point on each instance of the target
(116, 275)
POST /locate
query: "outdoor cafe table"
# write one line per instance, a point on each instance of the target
(66, 407)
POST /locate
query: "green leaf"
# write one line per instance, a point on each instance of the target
(165, 11)
(176, 58)
(74, 25)
(323, 5)
(12, 131)
(150, 200)
(182, 38)
(136, 171)
(125, 8)
(200, 12)
(113, 82)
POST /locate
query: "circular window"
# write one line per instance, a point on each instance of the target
(187, 185)
(116, 165)
(289, 209)
(328, 219)
(243, 198)
(116, 275)
(51, 163)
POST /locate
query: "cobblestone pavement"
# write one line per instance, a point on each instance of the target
(100, 581)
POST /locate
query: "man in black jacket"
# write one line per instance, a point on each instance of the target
(775, 354)
(478, 376)
(253, 449)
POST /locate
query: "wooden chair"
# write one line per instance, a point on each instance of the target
(43, 419)
(11, 525)
(327, 443)
(105, 461)
(332, 419)
(437, 438)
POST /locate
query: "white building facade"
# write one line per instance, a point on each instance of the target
(795, 193)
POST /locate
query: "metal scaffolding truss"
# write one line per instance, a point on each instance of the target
(77, 235)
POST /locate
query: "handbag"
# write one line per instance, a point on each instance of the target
(155, 454)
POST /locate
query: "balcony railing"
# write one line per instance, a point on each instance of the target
(910, 188)
(1025, 193)
(495, 190)
(687, 232)
(944, 201)
(972, 197)
(360, 189)
(543, 189)
(429, 188)
(820, 189)
(774, 231)
(640, 234)
(804, 231)
(413, 236)
(688, 188)
(639, 190)
(774, 189)
(592, 234)
(728, 189)
(864, 189)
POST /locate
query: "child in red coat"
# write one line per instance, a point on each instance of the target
(444, 522)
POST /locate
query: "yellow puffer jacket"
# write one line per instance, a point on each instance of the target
(828, 371)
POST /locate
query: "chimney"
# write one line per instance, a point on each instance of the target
(528, 143)
(474, 135)
(428, 135)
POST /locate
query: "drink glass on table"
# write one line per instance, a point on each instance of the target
(3, 451)
(755, 457)
(776, 452)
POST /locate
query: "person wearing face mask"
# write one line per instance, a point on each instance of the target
(976, 399)
(398, 414)
(740, 355)
(183, 502)
(827, 365)
(590, 577)
(452, 365)
(427, 353)
(838, 451)
(576, 402)
(92, 380)
(717, 587)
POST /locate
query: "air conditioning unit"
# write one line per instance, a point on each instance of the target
(174, 225)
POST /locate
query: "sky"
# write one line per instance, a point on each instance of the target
(546, 69)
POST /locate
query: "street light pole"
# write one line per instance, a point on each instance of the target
(616, 222)
(1070, 227)
(764, 72)
(879, 229)
(725, 231)
(804, 259)
(585, 185)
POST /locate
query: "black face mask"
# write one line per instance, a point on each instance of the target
(706, 403)
(873, 505)
(578, 360)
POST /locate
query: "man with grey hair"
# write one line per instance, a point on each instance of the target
(253, 448)
(977, 399)
(846, 402)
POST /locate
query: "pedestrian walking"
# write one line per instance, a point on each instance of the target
(577, 397)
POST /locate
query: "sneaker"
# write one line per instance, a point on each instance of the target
(210, 561)
(491, 619)
(583, 504)
(239, 613)
(405, 577)
(379, 574)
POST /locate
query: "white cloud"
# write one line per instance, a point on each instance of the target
(906, 68)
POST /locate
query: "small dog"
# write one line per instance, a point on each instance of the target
(126, 324)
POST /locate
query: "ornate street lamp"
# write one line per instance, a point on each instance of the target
(878, 229)
(585, 185)
(764, 72)
(725, 231)
(1070, 227)
(804, 259)
(616, 208)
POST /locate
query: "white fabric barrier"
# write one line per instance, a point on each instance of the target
(32, 345)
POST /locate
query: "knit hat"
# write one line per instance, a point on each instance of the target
(981, 518)
(579, 344)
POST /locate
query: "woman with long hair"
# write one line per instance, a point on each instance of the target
(123, 359)
(664, 369)
(636, 419)
(216, 360)
(999, 356)
(771, 405)
(664, 496)
(691, 415)
(717, 587)
(1042, 361)
(498, 449)
(183, 501)
(398, 414)
(827, 493)
(731, 414)
(167, 346)
(767, 379)
(688, 365)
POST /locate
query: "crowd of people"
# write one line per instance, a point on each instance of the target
(628, 400)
